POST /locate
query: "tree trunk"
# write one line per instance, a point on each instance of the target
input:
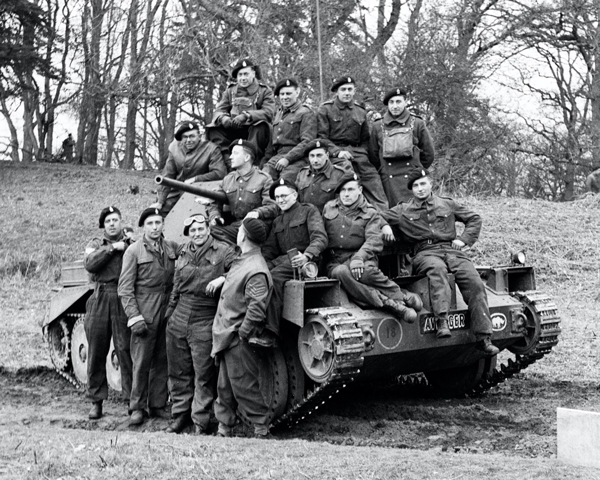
(14, 138)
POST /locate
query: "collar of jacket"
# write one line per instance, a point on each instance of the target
(341, 105)
(192, 248)
(360, 204)
(292, 209)
(327, 169)
(249, 90)
(421, 203)
(250, 253)
(150, 243)
(246, 177)
(388, 118)
(293, 108)
(105, 240)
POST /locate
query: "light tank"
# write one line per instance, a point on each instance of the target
(328, 342)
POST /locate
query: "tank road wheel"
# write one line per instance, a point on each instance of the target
(79, 351)
(316, 349)
(113, 371)
(59, 344)
(458, 381)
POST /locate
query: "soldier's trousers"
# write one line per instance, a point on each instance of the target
(238, 388)
(280, 274)
(437, 262)
(369, 177)
(105, 318)
(149, 355)
(259, 134)
(192, 371)
(364, 291)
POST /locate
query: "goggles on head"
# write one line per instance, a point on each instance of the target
(195, 218)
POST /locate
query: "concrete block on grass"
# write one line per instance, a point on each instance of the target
(578, 434)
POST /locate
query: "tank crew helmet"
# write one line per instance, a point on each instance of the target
(184, 128)
(394, 92)
(345, 179)
(246, 145)
(256, 230)
(244, 63)
(286, 82)
(148, 213)
(317, 143)
(106, 212)
(416, 174)
(281, 183)
(187, 223)
(338, 82)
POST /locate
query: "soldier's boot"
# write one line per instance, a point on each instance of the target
(178, 425)
(442, 328)
(486, 346)
(412, 300)
(400, 310)
(96, 411)
(136, 418)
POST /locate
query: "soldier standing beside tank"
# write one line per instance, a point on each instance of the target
(295, 125)
(144, 288)
(354, 230)
(190, 160)
(400, 142)
(428, 222)
(344, 122)
(104, 313)
(317, 182)
(240, 319)
(245, 111)
(199, 275)
(246, 188)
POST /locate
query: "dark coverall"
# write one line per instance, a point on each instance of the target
(430, 226)
(387, 136)
(245, 193)
(299, 227)
(293, 129)
(354, 241)
(346, 126)
(204, 164)
(258, 100)
(144, 288)
(318, 187)
(105, 318)
(192, 371)
(240, 315)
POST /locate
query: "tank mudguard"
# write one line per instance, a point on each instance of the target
(65, 299)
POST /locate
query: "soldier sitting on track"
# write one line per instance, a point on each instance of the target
(246, 188)
(428, 221)
(105, 316)
(190, 160)
(354, 229)
(294, 126)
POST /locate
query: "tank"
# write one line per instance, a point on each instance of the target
(327, 342)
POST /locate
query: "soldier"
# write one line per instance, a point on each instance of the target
(354, 230)
(317, 182)
(428, 222)
(191, 159)
(294, 126)
(144, 288)
(400, 142)
(246, 188)
(199, 274)
(245, 111)
(104, 313)
(299, 226)
(344, 122)
(240, 319)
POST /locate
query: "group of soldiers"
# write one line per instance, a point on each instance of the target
(303, 188)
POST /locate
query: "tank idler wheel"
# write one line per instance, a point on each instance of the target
(59, 344)
(532, 333)
(458, 381)
(79, 351)
(317, 350)
(113, 370)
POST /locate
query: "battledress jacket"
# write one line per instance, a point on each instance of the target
(318, 186)
(103, 261)
(257, 100)
(345, 124)
(293, 128)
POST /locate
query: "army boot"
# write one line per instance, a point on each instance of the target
(178, 425)
(95, 411)
(412, 300)
(486, 346)
(400, 310)
(442, 328)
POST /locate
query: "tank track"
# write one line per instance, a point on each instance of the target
(349, 347)
(66, 369)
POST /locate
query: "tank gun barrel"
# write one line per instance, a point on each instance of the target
(195, 189)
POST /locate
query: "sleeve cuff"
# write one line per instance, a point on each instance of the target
(133, 320)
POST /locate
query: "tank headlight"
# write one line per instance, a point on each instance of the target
(518, 258)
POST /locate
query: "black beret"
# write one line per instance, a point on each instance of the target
(415, 174)
(186, 127)
(317, 143)
(105, 213)
(338, 82)
(345, 179)
(286, 82)
(148, 213)
(256, 230)
(281, 183)
(246, 145)
(246, 62)
(393, 93)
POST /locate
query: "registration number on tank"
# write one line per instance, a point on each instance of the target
(456, 321)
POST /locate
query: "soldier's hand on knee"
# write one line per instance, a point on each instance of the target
(458, 244)
(388, 234)
(140, 328)
(345, 154)
(226, 122)
(239, 120)
(281, 164)
(357, 272)
(252, 214)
